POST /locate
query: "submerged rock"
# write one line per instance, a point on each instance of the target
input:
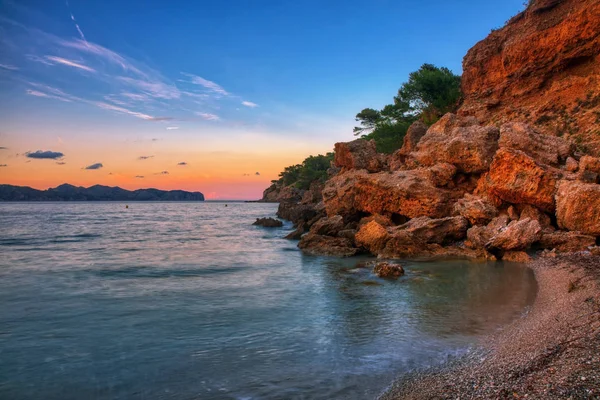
(268, 222)
(388, 270)
(321, 245)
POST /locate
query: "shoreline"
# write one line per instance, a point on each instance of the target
(552, 352)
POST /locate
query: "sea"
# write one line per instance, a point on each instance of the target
(191, 301)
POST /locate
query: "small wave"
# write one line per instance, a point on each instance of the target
(157, 273)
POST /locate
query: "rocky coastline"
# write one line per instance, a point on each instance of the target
(513, 174)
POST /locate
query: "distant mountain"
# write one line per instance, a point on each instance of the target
(68, 192)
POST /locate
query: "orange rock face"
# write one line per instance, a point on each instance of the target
(578, 207)
(542, 67)
(469, 148)
(358, 154)
(407, 193)
(516, 178)
(372, 236)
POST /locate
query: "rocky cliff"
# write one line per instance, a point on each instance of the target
(515, 171)
(542, 68)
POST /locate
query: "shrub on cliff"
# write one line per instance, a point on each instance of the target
(302, 175)
(428, 94)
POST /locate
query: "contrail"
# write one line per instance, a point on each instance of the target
(76, 24)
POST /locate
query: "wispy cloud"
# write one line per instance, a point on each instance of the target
(94, 166)
(257, 173)
(155, 89)
(144, 157)
(3, 148)
(37, 93)
(9, 67)
(183, 163)
(139, 176)
(249, 104)
(208, 116)
(44, 155)
(123, 110)
(3, 165)
(162, 173)
(61, 162)
(70, 63)
(172, 128)
(210, 85)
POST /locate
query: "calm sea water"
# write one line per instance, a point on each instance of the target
(190, 301)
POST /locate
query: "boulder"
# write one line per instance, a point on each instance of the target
(404, 246)
(477, 210)
(358, 154)
(295, 212)
(470, 148)
(372, 236)
(571, 164)
(518, 235)
(296, 234)
(440, 175)
(428, 230)
(328, 226)
(388, 270)
(327, 246)
(544, 149)
(268, 222)
(531, 212)
(479, 236)
(567, 241)
(348, 234)
(415, 132)
(516, 178)
(578, 207)
(516, 256)
(407, 193)
(380, 219)
(589, 169)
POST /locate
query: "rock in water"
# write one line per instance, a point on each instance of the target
(388, 270)
(268, 222)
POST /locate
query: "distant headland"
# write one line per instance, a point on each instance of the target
(68, 192)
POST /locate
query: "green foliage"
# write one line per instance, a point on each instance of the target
(429, 93)
(312, 169)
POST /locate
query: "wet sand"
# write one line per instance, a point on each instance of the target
(552, 352)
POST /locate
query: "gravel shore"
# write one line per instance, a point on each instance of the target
(553, 352)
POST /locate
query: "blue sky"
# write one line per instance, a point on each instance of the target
(261, 79)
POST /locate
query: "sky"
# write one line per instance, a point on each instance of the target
(212, 96)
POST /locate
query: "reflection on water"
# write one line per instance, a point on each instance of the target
(189, 300)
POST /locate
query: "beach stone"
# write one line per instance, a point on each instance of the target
(268, 222)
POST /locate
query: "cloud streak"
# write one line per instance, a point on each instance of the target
(183, 163)
(210, 85)
(44, 155)
(70, 63)
(94, 166)
(249, 104)
(208, 116)
(9, 67)
(144, 157)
